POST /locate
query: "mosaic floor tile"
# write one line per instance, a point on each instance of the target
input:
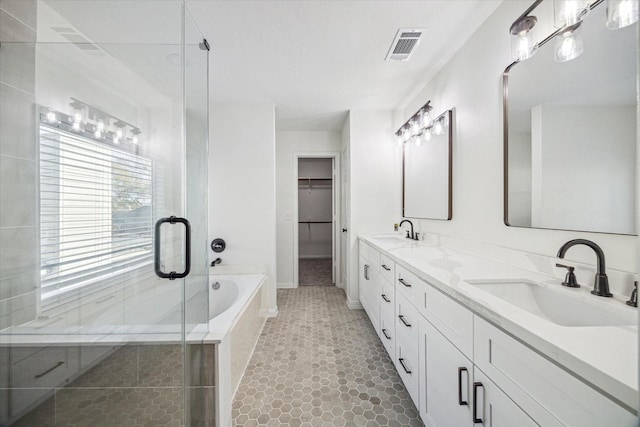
(320, 364)
(315, 272)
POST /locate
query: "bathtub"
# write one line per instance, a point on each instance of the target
(237, 312)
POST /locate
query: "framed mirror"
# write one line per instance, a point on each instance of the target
(570, 133)
(426, 172)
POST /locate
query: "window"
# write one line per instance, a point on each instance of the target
(95, 212)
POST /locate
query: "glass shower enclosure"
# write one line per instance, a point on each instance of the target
(103, 214)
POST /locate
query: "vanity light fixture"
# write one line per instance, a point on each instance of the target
(92, 122)
(420, 128)
(568, 15)
(413, 130)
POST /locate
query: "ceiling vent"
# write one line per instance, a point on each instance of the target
(403, 44)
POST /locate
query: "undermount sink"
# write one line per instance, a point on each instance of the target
(392, 238)
(560, 306)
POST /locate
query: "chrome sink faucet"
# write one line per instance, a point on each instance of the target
(601, 281)
(410, 235)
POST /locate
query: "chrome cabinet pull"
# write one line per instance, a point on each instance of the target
(404, 282)
(366, 271)
(401, 360)
(407, 324)
(384, 297)
(385, 267)
(460, 371)
(384, 332)
(53, 368)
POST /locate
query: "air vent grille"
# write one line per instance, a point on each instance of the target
(403, 44)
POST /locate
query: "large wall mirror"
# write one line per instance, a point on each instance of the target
(570, 134)
(426, 175)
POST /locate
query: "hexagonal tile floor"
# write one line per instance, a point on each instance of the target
(320, 364)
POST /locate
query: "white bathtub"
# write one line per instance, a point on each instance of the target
(237, 313)
(228, 304)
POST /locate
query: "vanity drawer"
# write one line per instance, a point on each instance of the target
(409, 285)
(407, 323)
(453, 320)
(407, 364)
(387, 295)
(548, 393)
(387, 268)
(387, 330)
(370, 254)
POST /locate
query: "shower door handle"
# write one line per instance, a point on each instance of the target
(187, 249)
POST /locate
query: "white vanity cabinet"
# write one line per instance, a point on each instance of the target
(461, 370)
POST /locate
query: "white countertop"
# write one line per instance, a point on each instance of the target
(604, 356)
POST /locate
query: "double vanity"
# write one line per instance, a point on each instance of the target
(478, 341)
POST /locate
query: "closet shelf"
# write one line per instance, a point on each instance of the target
(315, 222)
(307, 178)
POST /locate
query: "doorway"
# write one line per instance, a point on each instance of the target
(316, 246)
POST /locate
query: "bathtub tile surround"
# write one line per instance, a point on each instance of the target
(135, 385)
(18, 225)
(319, 363)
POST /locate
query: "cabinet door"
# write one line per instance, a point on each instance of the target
(445, 381)
(387, 329)
(490, 407)
(364, 275)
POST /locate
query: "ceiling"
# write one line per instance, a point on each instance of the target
(315, 60)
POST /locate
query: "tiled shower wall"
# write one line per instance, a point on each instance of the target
(19, 253)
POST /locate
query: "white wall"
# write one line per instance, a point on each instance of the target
(287, 144)
(576, 155)
(375, 183)
(471, 83)
(242, 192)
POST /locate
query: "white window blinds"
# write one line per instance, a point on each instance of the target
(95, 212)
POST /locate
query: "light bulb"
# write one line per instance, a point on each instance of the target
(135, 139)
(525, 48)
(569, 12)
(77, 120)
(621, 13)
(568, 45)
(426, 119)
(415, 127)
(427, 134)
(419, 139)
(52, 117)
(438, 127)
(99, 129)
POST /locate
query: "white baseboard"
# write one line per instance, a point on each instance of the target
(287, 286)
(354, 304)
(272, 312)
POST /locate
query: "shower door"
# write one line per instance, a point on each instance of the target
(103, 133)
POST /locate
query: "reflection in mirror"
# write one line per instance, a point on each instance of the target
(570, 135)
(426, 179)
